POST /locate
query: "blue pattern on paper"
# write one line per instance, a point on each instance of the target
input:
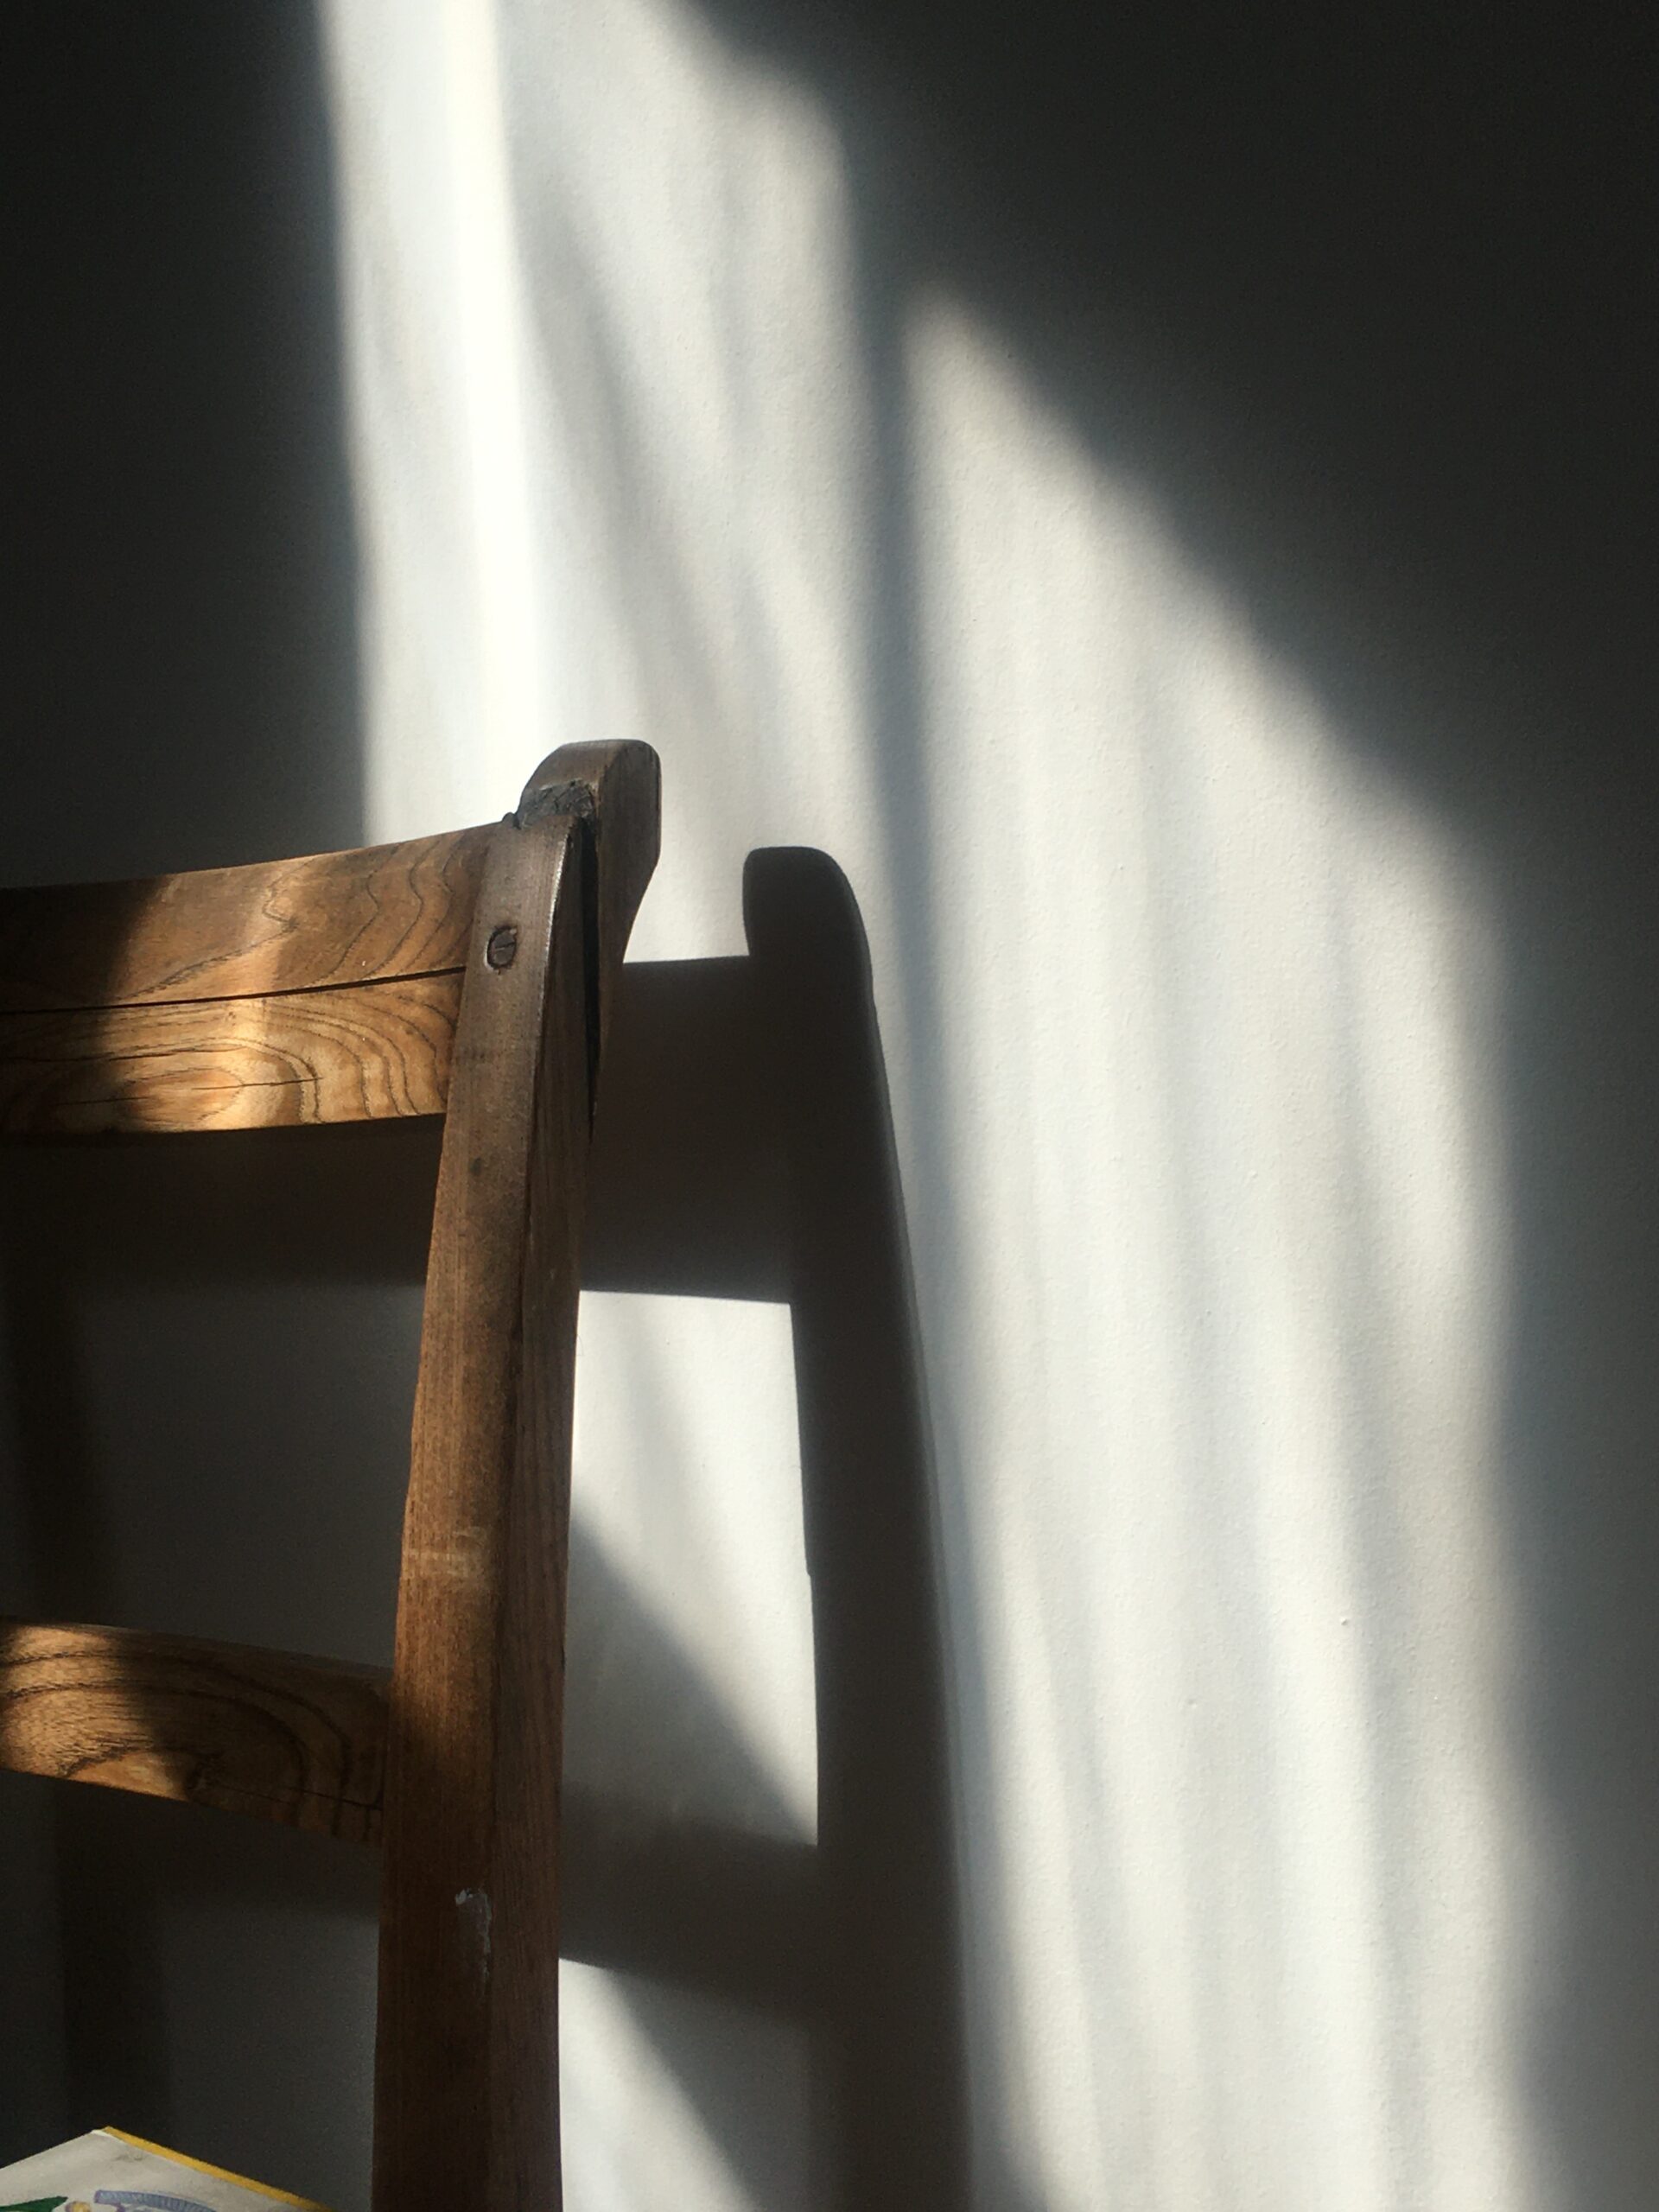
(146, 2199)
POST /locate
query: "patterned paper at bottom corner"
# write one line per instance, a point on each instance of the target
(107, 2172)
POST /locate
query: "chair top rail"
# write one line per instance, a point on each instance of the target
(311, 923)
(357, 1053)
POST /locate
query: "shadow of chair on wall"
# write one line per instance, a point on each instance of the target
(747, 1151)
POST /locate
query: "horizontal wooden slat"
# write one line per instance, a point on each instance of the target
(296, 1740)
(367, 1053)
(243, 932)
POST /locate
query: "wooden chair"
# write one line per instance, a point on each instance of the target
(469, 975)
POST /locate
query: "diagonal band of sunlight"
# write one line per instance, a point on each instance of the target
(1226, 1355)
(454, 688)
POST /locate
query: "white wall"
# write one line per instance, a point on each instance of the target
(1216, 700)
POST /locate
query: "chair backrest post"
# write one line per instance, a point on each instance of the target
(467, 2068)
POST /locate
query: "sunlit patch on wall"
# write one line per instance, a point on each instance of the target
(610, 468)
(691, 1682)
(440, 418)
(673, 2104)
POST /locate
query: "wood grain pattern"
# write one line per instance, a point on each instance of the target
(367, 1053)
(244, 933)
(467, 2082)
(469, 1915)
(294, 1741)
